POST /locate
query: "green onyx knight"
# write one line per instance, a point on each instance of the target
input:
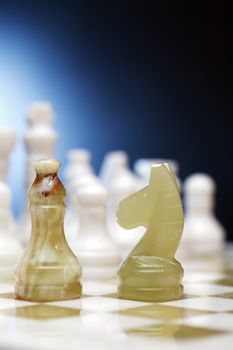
(150, 272)
(48, 270)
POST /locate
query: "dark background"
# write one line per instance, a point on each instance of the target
(154, 80)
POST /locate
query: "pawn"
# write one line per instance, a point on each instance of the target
(115, 166)
(97, 253)
(7, 143)
(72, 220)
(10, 249)
(78, 165)
(48, 270)
(203, 233)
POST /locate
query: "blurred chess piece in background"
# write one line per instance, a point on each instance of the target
(78, 173)
(96, 251)
(40, 139)
(8, 136)
(203, 235)
(7, 142)
(10, 248)
(121, 182)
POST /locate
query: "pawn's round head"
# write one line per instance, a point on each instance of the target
(47, 166)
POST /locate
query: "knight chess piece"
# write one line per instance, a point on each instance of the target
(48, 270)
(150, 272)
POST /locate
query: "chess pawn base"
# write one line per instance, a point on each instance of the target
(148, 278)
(48, 293)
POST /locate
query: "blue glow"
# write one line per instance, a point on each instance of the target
(28, 73)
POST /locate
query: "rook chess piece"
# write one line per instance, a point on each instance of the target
(150, 272)
(48, 270)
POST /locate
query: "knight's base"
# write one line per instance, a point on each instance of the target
(150, 294)
(150, 279)
(48, 293)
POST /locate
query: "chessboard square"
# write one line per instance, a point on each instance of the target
(173, 330)
(41, 312)
(226, 281)
(221, 321)
(162, 312)
(224, 295)
(102, 304)
(5, 303)
(96, 288)
(206, 289)
(189, 332)
(204, 303)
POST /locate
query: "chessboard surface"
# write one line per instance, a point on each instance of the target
(99, 320)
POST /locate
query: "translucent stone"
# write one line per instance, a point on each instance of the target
(150, 272)
(48, 270)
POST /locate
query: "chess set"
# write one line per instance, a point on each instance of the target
(111, 269)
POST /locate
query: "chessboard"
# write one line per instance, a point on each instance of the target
(99, 320)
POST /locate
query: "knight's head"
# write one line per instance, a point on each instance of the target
(138, 208)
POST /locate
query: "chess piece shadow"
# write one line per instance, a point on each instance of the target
(150, 272)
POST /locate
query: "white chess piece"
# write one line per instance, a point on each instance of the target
(7, 143)
(78, 173)
(40, 139)
(142, 167)
(10, 249)
(8, 137)
(79, 164)
(203, 234)
(115, 165)
(72, 217)
(97, 253)
(121, 182)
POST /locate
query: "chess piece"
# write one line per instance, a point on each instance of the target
(150, 272)
(48, 270)
(7, 143)
(203, 233)
(78, 164)
(97, 253)
(10, 248)
(142, 167)
(72, 220)
(40, 139)
(115, 165)
(78, 172)
(121, 182)
(120, 188)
